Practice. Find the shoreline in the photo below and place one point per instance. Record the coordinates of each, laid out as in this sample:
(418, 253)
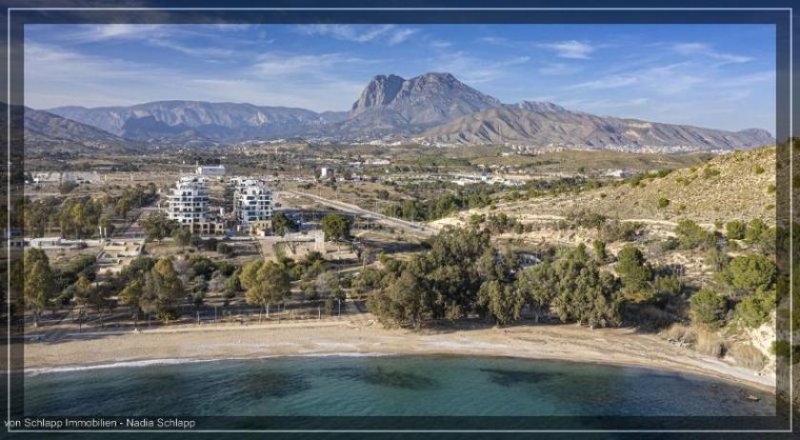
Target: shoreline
(209, 343)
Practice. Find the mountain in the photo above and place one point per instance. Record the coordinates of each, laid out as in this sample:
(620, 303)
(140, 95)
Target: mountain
(45, 131)
(218, 122)
(391, 103)
(432, 108)
(548, 125)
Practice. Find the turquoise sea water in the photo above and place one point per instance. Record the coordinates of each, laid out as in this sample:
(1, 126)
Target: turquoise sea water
(386, 386)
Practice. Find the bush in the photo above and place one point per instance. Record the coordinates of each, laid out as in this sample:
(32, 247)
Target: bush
(663, 202)
(750, 273)
(707, 307)
(747, 356)
(756, 309)
(691, 235)
(710, 343)
(735, 230)
(620, 231)
(681, 332)
(759, 169)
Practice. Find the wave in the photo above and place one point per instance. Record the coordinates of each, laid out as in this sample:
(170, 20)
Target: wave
(179, 361)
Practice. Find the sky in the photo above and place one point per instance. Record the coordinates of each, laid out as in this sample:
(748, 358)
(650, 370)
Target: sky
(717, 76)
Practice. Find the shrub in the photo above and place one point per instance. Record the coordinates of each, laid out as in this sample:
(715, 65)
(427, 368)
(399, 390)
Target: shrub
(707, 307)
(747, 356)
(681, 332)
(750, 273)
(633, 269)
(759, 169)
(710, 343)
(691, 235)
(620, 231)
(663, 202)
(667, 284)
(709, 172)
(756, 309)
(735, 230)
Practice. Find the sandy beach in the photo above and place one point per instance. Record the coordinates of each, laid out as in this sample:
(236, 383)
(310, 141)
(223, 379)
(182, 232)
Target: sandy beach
(621, 346)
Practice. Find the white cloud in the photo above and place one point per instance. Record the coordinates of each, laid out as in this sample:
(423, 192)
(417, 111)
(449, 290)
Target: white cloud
(440, 44)
(393, 34)
(608, 82)
(276, 63)
(401, 35)
(475, 70)
(557, 69)
(570, 49)
(706, 50)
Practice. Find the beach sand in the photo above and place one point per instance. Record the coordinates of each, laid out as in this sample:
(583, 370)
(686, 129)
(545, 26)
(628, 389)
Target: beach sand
(363, 336)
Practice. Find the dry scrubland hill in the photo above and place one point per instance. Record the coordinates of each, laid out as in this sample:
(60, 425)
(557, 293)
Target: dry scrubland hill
(735, 185)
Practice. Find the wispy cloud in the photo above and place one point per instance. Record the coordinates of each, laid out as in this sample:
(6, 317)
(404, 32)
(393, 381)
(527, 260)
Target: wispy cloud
(608, 82)
(475, 70)
(390, 33)
(440, 44)
(558, 69)
(705, 49)
(280, 63)
(570, 49)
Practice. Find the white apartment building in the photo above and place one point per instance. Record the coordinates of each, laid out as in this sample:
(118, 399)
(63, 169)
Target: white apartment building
(188, 202)
(252, 202)
(188, 205)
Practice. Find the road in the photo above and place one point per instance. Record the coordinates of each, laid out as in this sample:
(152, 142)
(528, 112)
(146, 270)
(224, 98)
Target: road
(357, 210)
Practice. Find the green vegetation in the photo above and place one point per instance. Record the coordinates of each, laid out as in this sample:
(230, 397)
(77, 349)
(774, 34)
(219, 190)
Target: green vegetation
(265, 283)
(708, 307)
(635, 273)
(281, 224)
(735, 230)
(463, 273)
(691, 235)
(336, 227)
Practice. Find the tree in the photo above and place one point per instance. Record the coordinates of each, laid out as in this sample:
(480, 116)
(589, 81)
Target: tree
(182, 236)
(162, 290)
(157, 226)
(401, 302)
(634, 272)
(756, 309)
(336, 227)
(583, 292)
(132, 295)
(83, 290)
(122, 207)
(750, 273)
(501, 301)
(539, 286)
(707, 307)
(266, 283)
(281, 224)
(38, 282)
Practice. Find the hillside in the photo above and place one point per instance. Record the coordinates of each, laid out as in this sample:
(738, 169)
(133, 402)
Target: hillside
(730, 186)
(48, 132)
(519, 125)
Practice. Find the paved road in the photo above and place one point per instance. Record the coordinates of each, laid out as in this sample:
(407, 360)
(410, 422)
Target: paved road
(353, 209)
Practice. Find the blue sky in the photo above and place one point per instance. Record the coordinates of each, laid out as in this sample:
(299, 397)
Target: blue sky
(719, 76)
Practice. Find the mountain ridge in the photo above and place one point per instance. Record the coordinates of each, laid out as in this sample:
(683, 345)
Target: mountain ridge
(431, 108)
